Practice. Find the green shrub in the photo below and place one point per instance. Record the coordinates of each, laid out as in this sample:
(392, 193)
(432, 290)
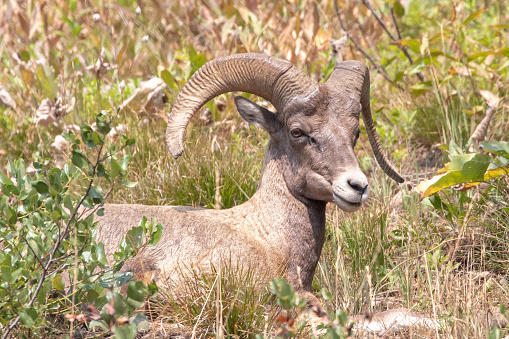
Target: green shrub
(47, 235)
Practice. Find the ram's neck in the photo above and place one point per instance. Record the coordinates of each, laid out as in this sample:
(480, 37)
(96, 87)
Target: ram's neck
(295, 226)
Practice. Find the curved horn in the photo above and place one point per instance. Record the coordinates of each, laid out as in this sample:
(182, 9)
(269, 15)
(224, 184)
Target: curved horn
(353, 77)
(273, 79)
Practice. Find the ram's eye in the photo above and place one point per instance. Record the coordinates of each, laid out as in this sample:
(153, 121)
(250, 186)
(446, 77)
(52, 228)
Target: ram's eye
(296, 133)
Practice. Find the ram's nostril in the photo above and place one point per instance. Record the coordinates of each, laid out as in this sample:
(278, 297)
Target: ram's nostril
(360, 187)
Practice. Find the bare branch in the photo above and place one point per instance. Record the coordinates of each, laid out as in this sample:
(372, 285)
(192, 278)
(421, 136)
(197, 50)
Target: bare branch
(395, 23)
(393, 38)
(378, 18)
(360, 49)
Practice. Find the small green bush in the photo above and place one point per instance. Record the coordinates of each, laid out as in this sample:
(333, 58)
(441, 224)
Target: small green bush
(48, 235)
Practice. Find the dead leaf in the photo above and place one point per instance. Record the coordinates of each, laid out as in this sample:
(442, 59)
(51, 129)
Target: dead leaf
(75, 129)
(110, 309)
(51, 111)
(35, 20)
(287, 41)
(82, 318)
(30, 170)
(45, 113)
(122, 320)
(5, 98)
(100, 68)
(23, 22)
(337, 47)
(149, 98)
(322, 38)
(491, 98)
(116, 131)
(60, 144)
(393, 321)
(461, 70)
(481, 130)
(70, 317)
(311, 23)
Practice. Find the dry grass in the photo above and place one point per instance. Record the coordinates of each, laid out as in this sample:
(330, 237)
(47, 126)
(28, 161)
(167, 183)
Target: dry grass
(451, 265)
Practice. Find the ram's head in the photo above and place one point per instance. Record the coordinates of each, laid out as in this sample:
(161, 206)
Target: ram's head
(315, 127)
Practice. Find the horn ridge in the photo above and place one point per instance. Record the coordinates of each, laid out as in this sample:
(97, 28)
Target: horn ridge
(271, 78)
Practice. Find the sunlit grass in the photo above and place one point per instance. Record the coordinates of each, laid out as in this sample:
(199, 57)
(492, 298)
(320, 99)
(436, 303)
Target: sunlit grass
(392, 253)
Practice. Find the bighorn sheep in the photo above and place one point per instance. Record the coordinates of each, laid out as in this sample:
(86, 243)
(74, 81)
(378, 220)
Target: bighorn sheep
(309, 161)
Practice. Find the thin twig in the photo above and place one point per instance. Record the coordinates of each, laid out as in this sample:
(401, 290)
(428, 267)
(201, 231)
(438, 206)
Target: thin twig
(378, 18)
(99, 205)
(395, 23)
(360, 49)
(35, 255)
(393, 38)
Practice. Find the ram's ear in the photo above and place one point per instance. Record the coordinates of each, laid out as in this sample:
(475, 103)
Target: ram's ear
(257, 115)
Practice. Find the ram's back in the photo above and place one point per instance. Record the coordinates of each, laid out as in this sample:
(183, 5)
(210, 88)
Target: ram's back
(192, 238)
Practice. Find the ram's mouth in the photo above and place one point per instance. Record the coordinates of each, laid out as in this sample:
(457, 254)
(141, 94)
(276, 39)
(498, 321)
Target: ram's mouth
(345, 205)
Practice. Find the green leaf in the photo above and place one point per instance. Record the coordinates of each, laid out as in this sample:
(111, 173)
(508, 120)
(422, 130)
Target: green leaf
(416, 68)
(58, 282)
(137, 290)
(140, 321)
(414, 44)
(286, 296)
(128, 184)
(40, 186)
(5, 180)
(101, 256)
(122, 278)
(101, 323)
(473, 16)
(79, 160)
(326, 294)
(103, 123)
(124, 332)
(134, 238)
(398, 9)
(43, 293)
(168, 79)
(156, 235)
(92, 296)
(68, 202)
(128, 141)
(47, 81)
(119, 304)
(115, 168)
(28, 316)
(101, 171)
(495, 333)
(6, 271)
(87, 136)
(464, 168)
(197, 59)
(124, 162)
(500, 148)
(143, 222)
(421, 88)
(24, 55)
(96, 194)
(11, 216)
